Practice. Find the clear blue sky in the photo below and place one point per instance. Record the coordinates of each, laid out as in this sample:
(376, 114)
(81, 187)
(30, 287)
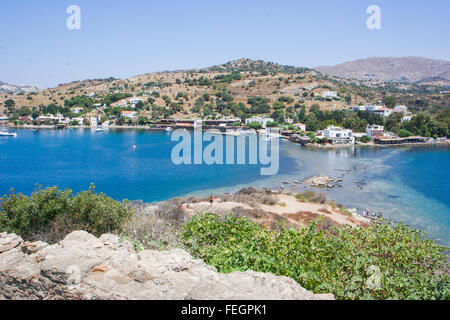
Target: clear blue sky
(126, 38)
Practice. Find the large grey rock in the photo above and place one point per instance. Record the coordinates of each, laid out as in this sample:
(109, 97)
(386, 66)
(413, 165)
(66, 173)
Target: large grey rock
(85, 267)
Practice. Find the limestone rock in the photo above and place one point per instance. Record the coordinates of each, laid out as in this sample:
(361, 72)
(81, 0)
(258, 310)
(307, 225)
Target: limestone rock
(83, 266)
(9, 241)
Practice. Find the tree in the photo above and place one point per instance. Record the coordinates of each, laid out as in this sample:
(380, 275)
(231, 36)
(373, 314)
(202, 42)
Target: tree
(302, 114)
(278, 116)
(390, 101)
(404, 133)
(311, 123)
(10, 103)
(272, 124)
(364, 139)
(391, 123)
(142, 120)
(255, 125)
(348, 98)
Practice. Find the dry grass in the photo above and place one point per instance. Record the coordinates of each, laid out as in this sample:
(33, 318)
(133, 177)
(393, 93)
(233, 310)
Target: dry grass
(156, 227)
(310, 196)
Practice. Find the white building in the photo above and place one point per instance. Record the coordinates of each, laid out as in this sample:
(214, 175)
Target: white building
(50, 117)
(406, 118)
(93, 121)
(374, 130)
(384, 112)
(128, 114)
(359, 108)
(77, 110)
(329, 94)
(263, 121)
(79, 119)
(338, 135)
(300, 126)
(372, 108)
(135, 100)
(401, 109)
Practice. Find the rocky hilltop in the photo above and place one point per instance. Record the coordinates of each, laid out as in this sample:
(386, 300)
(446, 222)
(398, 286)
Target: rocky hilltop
(400, 69)
(83, 266)
(17, 89)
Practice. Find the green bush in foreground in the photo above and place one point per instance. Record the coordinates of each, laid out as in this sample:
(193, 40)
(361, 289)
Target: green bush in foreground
(49, 214)
(378, 262)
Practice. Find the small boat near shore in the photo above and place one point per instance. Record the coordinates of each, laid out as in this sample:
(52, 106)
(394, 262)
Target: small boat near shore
(8, 134)
(169, 129)
(99, 129)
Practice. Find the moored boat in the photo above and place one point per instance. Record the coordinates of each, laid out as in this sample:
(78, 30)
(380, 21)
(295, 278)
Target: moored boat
(8, 134)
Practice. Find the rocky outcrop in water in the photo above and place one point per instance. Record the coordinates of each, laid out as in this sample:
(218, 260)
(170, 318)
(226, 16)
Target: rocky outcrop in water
(83, 266)
(322, 181)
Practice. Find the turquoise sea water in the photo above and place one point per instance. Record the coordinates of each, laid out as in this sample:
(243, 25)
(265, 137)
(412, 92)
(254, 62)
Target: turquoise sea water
(407, 184)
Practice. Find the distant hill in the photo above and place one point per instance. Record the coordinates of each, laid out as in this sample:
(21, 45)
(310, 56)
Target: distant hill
(249, 65)
(403, 69)
(17, 89)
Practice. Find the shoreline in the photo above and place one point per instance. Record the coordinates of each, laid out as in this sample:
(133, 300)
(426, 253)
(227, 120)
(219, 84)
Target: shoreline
(309, 146)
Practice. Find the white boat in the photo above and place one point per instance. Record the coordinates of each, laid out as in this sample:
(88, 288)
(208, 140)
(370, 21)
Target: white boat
(169, 129)
(100, 129)
(8, 134)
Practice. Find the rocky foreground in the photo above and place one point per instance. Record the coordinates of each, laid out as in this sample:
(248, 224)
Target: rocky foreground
(83, 266)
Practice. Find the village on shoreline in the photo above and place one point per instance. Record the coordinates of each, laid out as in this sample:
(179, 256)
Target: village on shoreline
(331, 137)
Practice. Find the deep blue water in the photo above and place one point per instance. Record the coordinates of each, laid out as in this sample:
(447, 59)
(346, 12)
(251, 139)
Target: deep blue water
(77, 158)
(406, 184)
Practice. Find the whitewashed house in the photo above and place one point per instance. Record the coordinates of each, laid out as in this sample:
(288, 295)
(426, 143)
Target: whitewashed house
(400, 109)
(77, 110)
(359, 108)
(129, 114)
(372, 108)
(338, 135)
(135, 101)
(93, 121)
(406, 118)
(330, 94)
(384, 112)
(79, 119)
(374, 130)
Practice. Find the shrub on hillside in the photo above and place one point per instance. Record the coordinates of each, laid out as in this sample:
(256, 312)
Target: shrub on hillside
(49, 214)
(377, 262)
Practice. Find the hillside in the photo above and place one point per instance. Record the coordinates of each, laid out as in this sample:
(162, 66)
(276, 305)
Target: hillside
(403, 69)
(226, 89)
